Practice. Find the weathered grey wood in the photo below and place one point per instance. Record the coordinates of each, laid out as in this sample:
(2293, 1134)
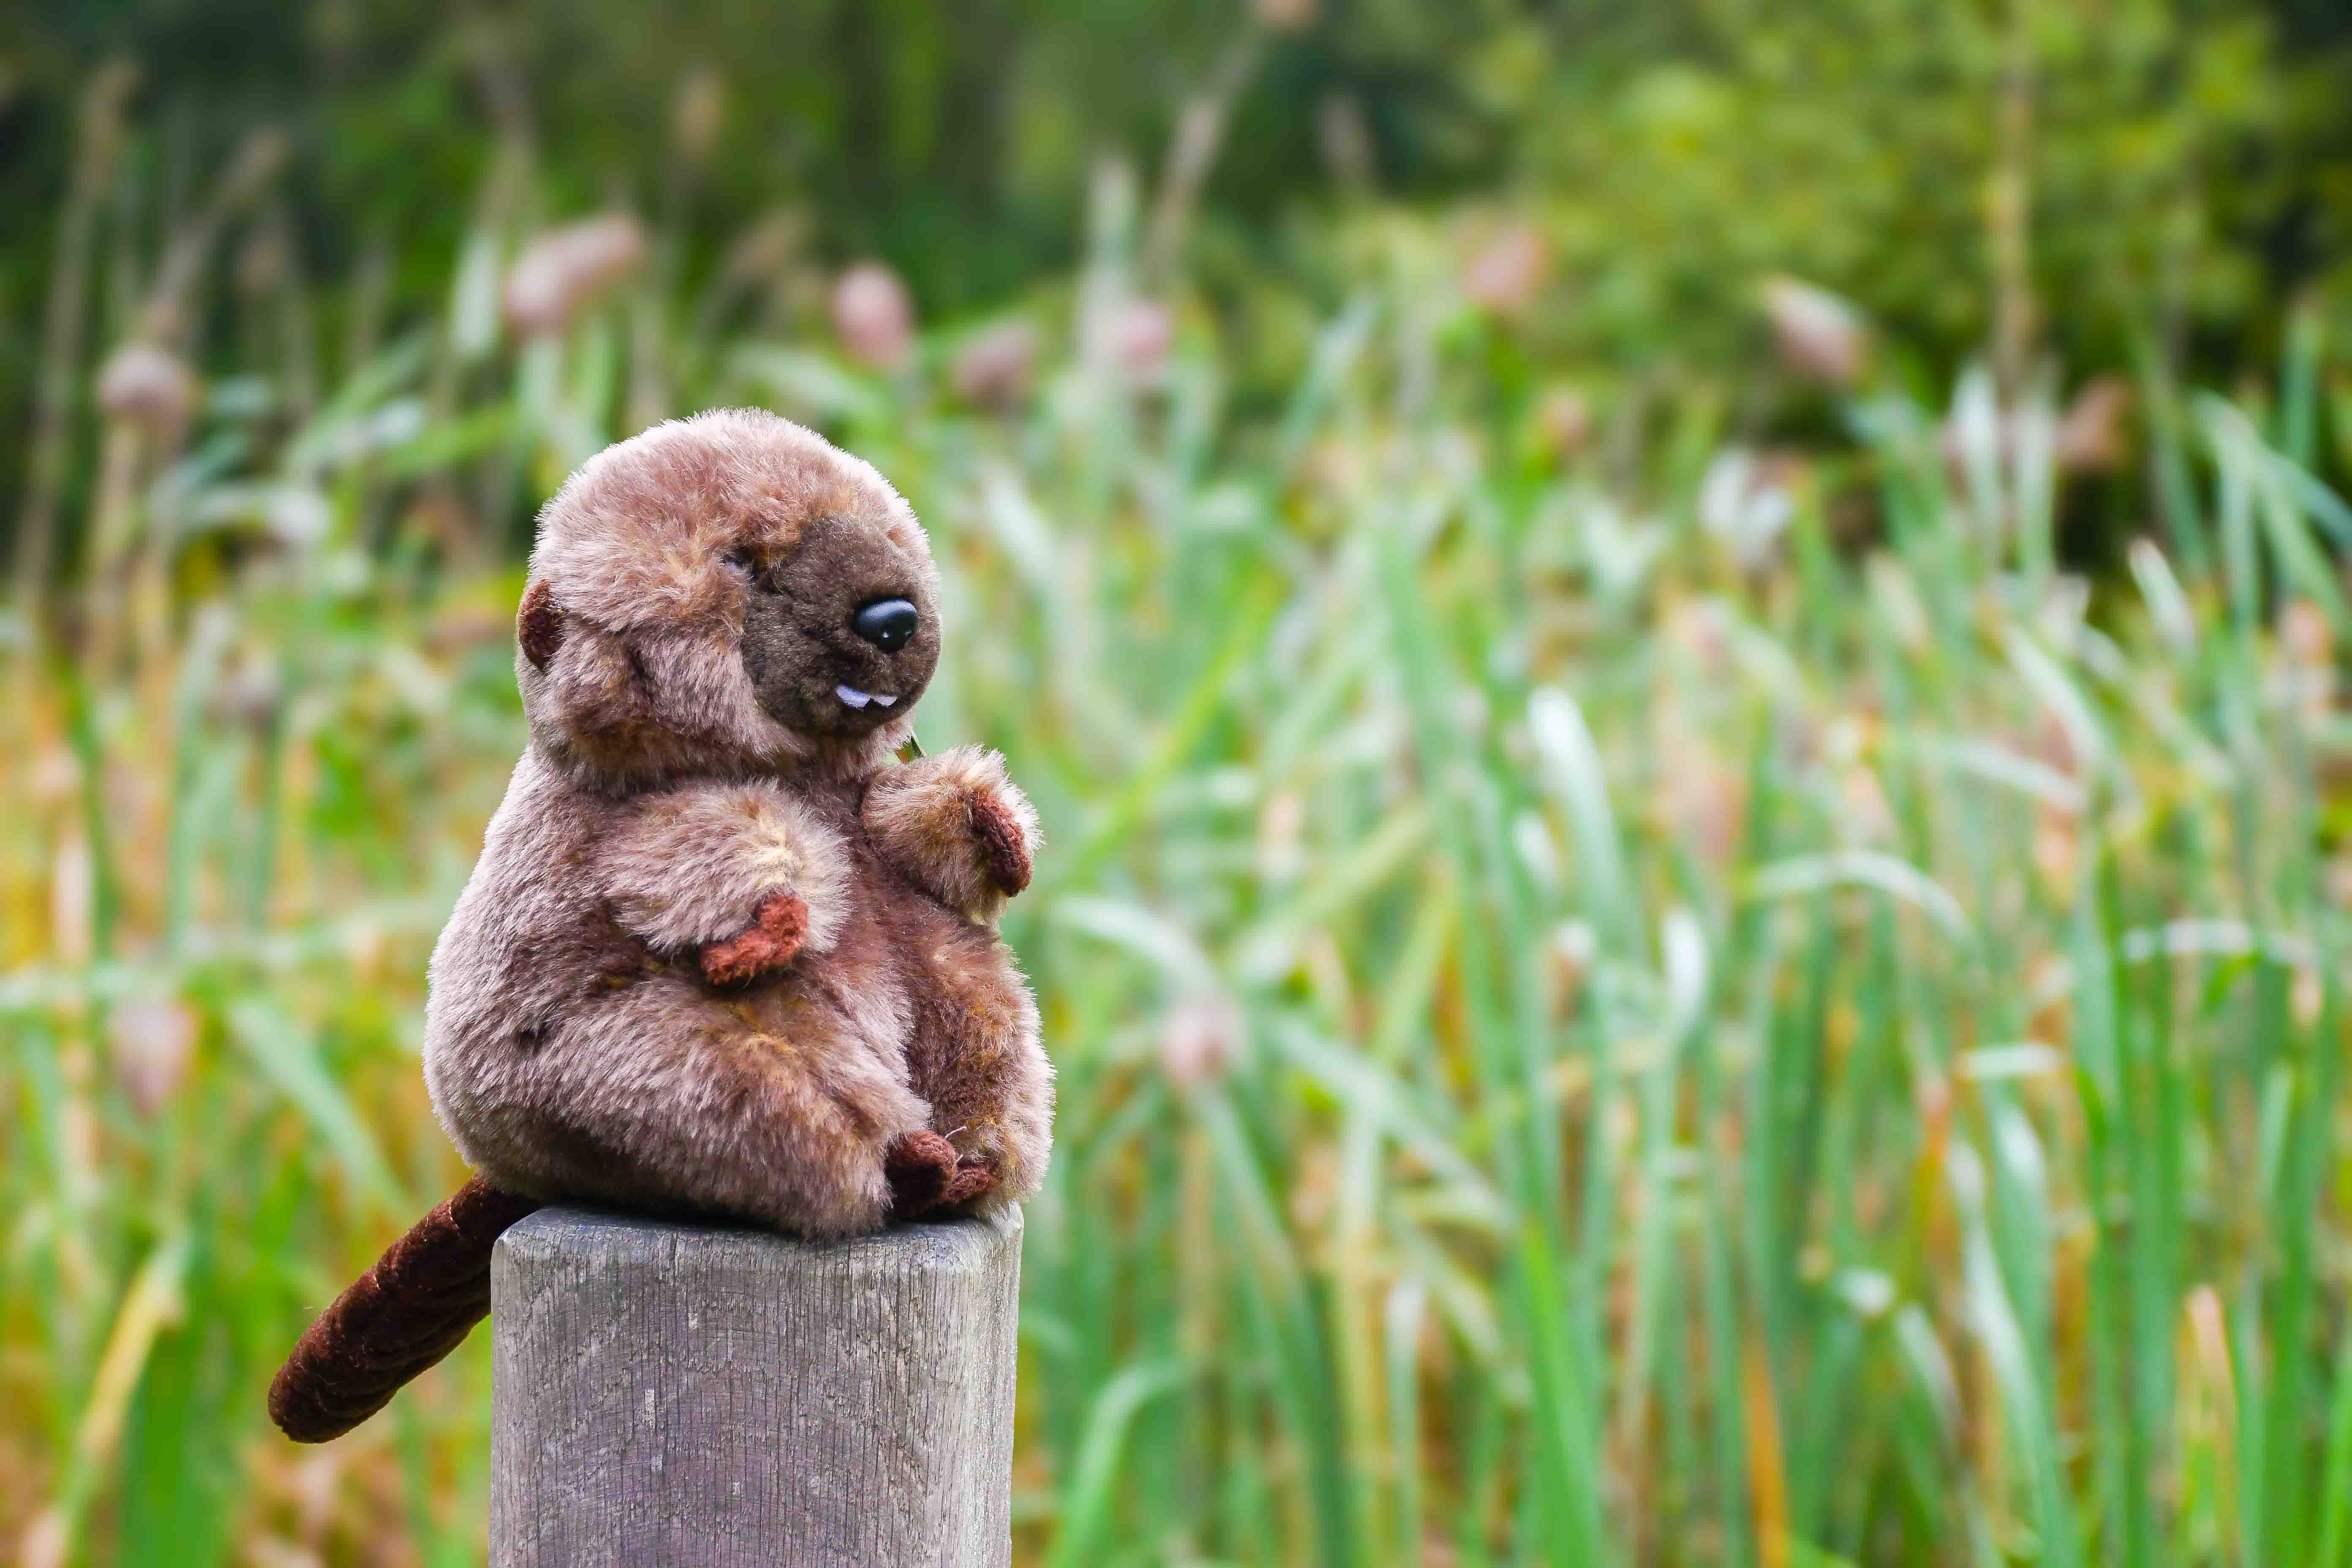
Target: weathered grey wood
(674, 1393)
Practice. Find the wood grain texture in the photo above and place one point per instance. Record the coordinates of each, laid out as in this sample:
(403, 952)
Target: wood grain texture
(677, 1394)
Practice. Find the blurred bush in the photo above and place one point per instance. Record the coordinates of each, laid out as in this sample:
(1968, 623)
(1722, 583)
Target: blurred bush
(2095, 172)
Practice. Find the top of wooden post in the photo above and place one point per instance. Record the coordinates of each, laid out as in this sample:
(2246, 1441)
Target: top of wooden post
(617, 1239)
(683, 1392)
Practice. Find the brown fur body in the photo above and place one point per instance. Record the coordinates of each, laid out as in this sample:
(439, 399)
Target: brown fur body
(720, 954)
(694, 793)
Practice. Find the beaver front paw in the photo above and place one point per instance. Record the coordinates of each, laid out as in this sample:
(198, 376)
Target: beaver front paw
(768, 943)
(1003, 846)
(954, 824)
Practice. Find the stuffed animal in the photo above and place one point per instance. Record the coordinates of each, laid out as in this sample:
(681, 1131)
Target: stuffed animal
(721, 955)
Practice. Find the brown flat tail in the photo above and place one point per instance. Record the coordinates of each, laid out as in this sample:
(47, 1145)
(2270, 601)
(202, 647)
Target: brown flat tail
(422, 1297)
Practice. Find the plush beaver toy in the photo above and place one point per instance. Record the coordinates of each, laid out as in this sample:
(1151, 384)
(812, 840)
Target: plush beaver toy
(721, 954)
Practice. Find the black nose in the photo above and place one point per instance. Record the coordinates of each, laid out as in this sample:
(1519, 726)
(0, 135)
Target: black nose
(888, 624)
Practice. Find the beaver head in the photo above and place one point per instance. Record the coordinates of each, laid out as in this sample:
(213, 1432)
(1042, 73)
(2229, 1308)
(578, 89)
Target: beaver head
(725, 594)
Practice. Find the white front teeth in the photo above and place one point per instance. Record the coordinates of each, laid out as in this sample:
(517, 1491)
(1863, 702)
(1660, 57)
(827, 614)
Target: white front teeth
(856, 699)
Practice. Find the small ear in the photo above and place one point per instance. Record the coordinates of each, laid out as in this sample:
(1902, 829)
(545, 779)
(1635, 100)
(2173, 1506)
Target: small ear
(539, 624)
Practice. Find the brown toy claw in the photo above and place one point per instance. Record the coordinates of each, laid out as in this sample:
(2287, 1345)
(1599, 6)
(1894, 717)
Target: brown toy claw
(770, 942)
(973, 1178)
(921, 1170)
(1001, 843)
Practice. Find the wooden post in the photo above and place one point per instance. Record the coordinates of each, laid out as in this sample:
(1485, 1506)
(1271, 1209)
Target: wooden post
(679, 1393)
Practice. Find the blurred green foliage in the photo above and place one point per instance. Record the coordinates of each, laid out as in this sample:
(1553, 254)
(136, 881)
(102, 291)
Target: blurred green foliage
(2180, 164)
